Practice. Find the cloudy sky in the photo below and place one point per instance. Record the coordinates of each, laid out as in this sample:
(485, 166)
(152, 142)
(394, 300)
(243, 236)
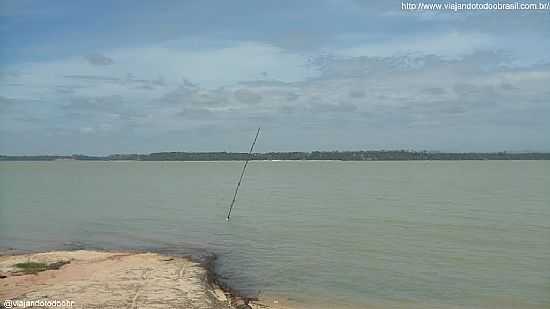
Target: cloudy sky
(101, 77)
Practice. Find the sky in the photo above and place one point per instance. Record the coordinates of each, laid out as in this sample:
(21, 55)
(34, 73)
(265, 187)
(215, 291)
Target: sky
(104, 77)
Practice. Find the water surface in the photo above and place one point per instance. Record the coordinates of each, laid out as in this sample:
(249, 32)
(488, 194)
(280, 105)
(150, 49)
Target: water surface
(460, 234)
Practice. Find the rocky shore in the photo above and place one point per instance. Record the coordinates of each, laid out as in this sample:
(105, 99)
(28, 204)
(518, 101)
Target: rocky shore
(97, 279)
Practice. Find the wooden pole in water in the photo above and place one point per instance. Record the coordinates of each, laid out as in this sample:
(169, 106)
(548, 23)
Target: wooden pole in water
(242, 175)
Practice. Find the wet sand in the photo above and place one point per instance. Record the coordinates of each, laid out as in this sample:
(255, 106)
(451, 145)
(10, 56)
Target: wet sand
(97, 279)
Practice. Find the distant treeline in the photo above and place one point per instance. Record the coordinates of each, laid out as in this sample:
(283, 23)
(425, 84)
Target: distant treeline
(381, 155)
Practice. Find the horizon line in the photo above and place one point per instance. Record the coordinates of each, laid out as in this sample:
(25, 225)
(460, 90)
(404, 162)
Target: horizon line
(282, 152)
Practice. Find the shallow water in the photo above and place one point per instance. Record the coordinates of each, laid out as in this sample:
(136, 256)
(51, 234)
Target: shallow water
(464, 234)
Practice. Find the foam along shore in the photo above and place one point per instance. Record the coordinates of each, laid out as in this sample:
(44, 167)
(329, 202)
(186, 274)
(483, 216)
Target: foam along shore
(96, 279)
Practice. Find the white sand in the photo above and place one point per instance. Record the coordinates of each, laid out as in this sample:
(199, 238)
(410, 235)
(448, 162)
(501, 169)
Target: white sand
(112, 280)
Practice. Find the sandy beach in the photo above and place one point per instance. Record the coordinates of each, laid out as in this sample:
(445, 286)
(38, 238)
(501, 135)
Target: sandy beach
(96, 279)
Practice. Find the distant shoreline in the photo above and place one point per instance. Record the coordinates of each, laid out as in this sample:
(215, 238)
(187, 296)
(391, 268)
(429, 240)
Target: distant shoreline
(378, 155)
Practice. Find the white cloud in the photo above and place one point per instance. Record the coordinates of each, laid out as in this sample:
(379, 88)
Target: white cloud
(450, 44)
(156, 90)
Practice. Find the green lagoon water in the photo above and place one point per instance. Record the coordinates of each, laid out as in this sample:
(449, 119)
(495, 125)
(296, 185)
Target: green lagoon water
(456, 234)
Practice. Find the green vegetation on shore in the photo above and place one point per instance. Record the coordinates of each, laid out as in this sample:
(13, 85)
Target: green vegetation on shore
(378, 155)
(36, 267)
